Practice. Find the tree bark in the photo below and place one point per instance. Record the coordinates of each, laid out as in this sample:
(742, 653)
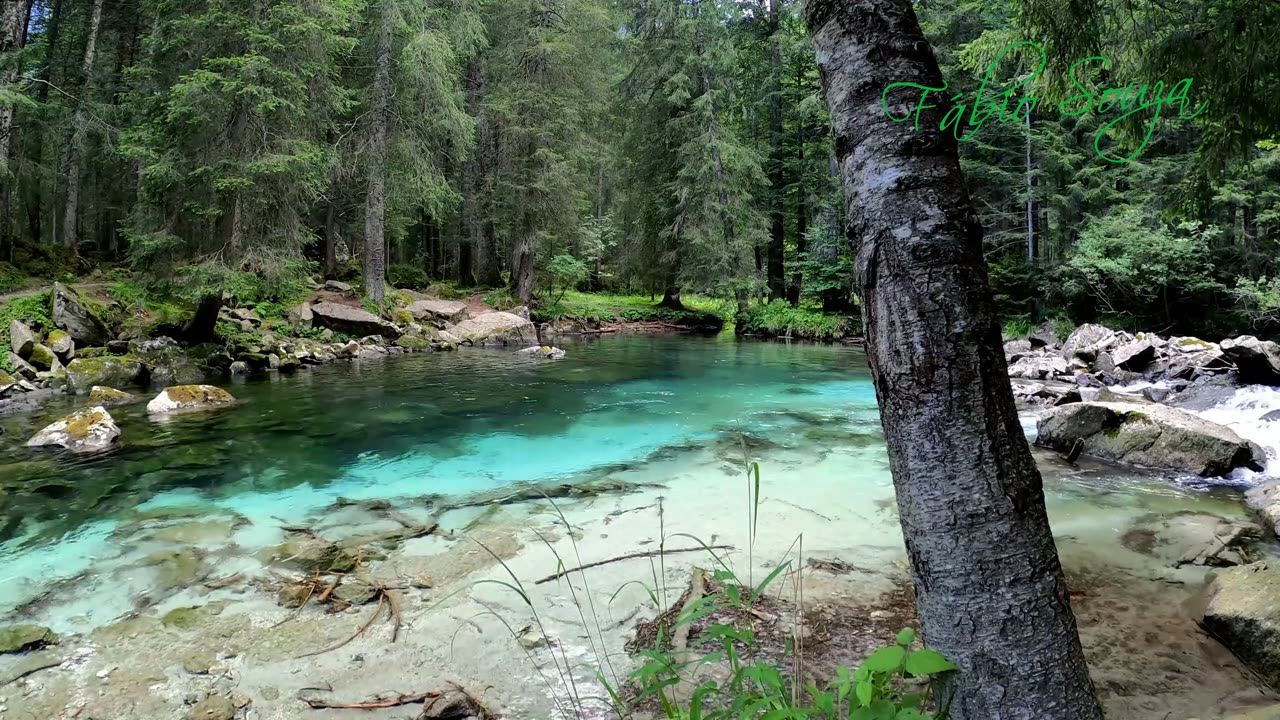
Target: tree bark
(777, 249)
(522, 262)
(331, 235)
(71, 211)
(13, 37)
(200, 328)
(990, 589)
(375, 243)
(1032, 210)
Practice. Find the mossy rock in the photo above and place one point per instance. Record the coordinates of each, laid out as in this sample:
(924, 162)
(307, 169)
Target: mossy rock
(113, 371)
(174, 569)
(21, 638)
(92, 352)
(42, 357)
(183, 398)
(102, 395)
(410, 342)
(315, 554)
(6, 378)
(184, 618)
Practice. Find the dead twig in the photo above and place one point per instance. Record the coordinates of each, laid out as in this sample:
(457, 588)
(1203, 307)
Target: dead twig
(397, 700)
(359, 631)
(630, 556)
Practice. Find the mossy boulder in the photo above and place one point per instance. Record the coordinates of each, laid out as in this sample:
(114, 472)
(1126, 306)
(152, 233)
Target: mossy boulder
(88, 430)
(313, 554)
(412, 342)
(42, 357)
(497, 328)
(80, 317)
(21, 638)
(186, 398)
(85, 372)
(62, 345)
(103, 395)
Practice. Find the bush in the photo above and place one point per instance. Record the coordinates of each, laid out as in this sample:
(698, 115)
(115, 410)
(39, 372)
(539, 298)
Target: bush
(408, 277)
(33, 310)
(804, 322)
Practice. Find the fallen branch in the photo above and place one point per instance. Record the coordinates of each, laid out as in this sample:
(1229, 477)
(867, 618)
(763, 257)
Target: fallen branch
(379, 704)
(631, 556)
(697, 588)
(359, 631)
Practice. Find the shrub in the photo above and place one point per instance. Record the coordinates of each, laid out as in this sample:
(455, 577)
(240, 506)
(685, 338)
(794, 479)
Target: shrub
(806, 322)
(409, 277)
(32, 309)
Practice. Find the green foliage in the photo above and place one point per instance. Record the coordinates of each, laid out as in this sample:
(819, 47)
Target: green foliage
(699, 312)
(501, 299)
(565, 272)
(1018, 329)
(408, 277)
(1260, 299)
(803, 322)
(11, 278)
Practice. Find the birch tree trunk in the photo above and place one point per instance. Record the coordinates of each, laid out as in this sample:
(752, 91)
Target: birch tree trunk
(71, 211)
(375, 243)
(990, 588)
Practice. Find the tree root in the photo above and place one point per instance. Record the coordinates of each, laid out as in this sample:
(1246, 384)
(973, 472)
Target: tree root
(453, 704)
(630, 556)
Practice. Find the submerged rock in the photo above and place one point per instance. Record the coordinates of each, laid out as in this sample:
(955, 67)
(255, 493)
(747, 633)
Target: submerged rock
(1242, 610)
(214, 707)
(1194, 538)
(545, 351)
(183, 398)
(450, 311)
(21, 638)
(103, 395)
(78, 317)
(88, 430)
(1150, 435)
(310, 553)
(351, 320)
(166, 362)
(85, 372)
(496, 328)
(1264, 500)
(1257, 360)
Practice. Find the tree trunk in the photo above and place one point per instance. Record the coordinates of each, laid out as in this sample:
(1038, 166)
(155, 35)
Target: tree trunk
(331, 235)
(777, 249)
(522, 263)
(375, 243)
(802, 217)
(13, 36)
(71, 211)
(990, 589)
(200, 328)
(1032, 251)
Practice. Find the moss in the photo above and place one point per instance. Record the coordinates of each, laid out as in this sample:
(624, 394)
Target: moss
(41, 356)
(21, 638)
(183, 618)
(92, 352)
(413, 343)
(401, 317)
(198, 395)
(55, 336)
(103, 394)
(6, 378)
(79, 424)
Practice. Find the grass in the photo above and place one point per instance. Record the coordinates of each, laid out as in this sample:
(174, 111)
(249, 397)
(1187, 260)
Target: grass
(1020, 328)
(700, 312)
(804, 322)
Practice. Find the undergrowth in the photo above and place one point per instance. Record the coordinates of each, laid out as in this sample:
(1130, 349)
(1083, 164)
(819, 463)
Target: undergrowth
(803, 322)
(699, 312)
(33, 310)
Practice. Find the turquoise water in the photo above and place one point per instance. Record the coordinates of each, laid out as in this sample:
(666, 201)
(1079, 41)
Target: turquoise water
(475, 420)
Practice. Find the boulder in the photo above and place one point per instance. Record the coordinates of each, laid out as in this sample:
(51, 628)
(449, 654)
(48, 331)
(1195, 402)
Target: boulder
(1014, 350)
(83, 373)
(186, 398)
(1264, 500)
(337, 286)
(351, 320)
(77, 316)
(239, 367)
(1088, 340)
(166, 362)
(1242, 610)
(1194, 538)
(1133, 356)
(545, 352)
(449, 311)
(1038, 367)
(1150, 435)
(214, 707)
(103, 395)
(1049, 392)
(1190, 365)
(60, 342)
(1044, 336)
(21, 638)
(496, 328)
(301, 315)
(42, 357)
(444, 337)
(21, 338)
(22, 367)
(84, 431)
(1258, 361)
(520, 312)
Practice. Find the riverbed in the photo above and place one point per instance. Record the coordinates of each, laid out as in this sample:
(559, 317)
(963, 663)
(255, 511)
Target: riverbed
(103, 549)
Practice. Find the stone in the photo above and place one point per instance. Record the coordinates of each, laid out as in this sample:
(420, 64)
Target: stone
(1194, 538)
(246, 314)
(355, 592)
(312, 554)
(214, 707)
(103, 395)
(1270, 712)
(497, 328)
(1264, 501)
(531, 637)
(1044, 336)
(78, 317)
(520, 312)
(83, 372)
(186, 398)
(1088, 340)
(273, 361)
(337, 286)
(1258, 361)
(1242, 610)
(1153, 436)
(351, 320)
(197, 662)
(1190, 365)
(1133, 356)
(22, 367)
(22, 638)
(448, 338)
(545, 351)
(450, 311)
(300, 315)
(21, 338)
(41, 357)
(1038, 367)
(239, 368)
(326, 336)
(62, 345)
(166, 362)
(1273, 416)
(1015, 350)
(84, 431)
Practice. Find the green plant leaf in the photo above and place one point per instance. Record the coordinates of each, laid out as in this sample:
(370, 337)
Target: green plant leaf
(864, 693)
(906, 637)
(927, 662)
(886, 659)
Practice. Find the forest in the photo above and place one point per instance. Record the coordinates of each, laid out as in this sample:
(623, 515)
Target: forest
(637, 147)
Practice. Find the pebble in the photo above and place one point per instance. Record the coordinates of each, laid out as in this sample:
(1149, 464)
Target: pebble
(102, 674)
(270, 693)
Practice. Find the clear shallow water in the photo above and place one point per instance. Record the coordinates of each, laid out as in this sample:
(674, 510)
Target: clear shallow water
(476, 420)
